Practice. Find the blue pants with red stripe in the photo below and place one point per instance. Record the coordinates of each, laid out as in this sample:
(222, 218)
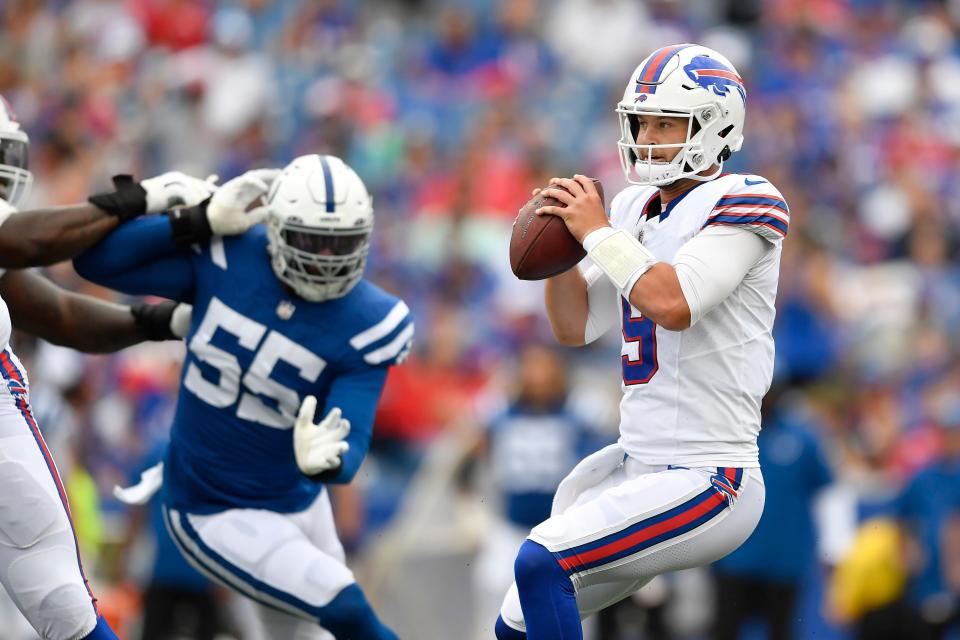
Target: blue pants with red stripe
(632, 524)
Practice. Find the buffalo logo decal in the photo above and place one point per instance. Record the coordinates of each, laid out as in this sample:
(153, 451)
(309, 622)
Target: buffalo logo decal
(714, 76)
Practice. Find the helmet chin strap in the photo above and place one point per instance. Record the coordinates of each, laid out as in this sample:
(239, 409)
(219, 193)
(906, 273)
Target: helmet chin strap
(696, 176)
(708, 178)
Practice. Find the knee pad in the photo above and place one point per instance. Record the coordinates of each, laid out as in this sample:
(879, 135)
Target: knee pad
(503, 631)
(536, 567)
(511, 613)
(67, 612)
(50, 592)
(28, 513)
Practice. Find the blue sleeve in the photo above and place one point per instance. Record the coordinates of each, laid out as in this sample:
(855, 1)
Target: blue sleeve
(140, 258)
(357, 393)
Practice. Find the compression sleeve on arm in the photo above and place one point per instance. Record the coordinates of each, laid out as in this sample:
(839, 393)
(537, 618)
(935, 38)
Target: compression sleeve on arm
(140, 258)
(712, 263)
(357, 394)
(601, 303)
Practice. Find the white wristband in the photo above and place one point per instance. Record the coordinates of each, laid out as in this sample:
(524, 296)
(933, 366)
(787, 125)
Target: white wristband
(596, 236)
(619, 255)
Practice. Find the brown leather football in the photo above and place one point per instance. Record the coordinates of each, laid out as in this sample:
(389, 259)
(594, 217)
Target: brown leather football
(541, 246)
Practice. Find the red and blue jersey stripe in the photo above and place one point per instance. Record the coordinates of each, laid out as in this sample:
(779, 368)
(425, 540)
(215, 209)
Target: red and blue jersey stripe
(646, 533)
(761, 209)
(650, 74)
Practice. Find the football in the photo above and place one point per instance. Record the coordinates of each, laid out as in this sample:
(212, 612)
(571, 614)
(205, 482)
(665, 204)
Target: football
(541, 246)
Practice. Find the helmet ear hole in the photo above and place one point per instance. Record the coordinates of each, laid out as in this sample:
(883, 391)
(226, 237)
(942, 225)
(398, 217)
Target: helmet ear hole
(725, 153)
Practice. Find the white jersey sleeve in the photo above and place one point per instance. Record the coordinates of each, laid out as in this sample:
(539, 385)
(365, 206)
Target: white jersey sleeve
(755, 204)
(602, 309)
(713, 263)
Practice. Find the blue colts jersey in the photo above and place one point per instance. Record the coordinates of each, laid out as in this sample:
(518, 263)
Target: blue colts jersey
(531, 452)
(254, 351)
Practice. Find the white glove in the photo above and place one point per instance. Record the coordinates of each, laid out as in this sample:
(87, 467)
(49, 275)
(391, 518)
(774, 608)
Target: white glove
(318, 447)
(180, 319)
(232, 211)
(176, 189)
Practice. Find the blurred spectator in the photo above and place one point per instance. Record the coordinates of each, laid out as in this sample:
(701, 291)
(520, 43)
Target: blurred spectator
(867, 586)
(173, 24)
(618, 37)
(530, 446)
(235, 82)
(924, 509)
(435, 389)
(764, 576)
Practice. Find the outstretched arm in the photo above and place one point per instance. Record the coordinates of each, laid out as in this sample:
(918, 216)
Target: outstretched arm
(356, 394)
(140, 258)
(47, 236)
(150, 255)
(82, 322)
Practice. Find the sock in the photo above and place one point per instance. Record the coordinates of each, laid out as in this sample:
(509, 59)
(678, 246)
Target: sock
(101, 632)
(547, 596)
(349, 615)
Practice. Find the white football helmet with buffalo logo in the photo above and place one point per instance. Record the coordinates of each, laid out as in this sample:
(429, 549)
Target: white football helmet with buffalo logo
(682, 80)
(15, 177)
(319, 221)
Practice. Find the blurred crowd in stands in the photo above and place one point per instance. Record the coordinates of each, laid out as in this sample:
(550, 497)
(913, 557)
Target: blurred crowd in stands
(452, 112)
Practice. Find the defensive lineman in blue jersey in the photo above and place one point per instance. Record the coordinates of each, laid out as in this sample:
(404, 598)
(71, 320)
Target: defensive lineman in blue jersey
(282, 321)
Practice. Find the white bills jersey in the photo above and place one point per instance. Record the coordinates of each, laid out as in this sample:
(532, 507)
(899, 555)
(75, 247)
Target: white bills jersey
(692, 397)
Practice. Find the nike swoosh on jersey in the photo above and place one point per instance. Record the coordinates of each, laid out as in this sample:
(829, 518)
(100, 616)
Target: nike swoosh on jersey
(750, 182)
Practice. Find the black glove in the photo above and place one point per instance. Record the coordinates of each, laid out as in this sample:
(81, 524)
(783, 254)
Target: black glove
(128, 201)
(190, 225)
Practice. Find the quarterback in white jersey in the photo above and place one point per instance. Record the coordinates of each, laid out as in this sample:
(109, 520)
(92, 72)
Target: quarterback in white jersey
(687, 265)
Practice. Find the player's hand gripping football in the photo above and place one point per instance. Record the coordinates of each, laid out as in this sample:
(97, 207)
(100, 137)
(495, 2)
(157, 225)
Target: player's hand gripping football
(238, 204)
(583, 212)
(176, 189)
(318, 447)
